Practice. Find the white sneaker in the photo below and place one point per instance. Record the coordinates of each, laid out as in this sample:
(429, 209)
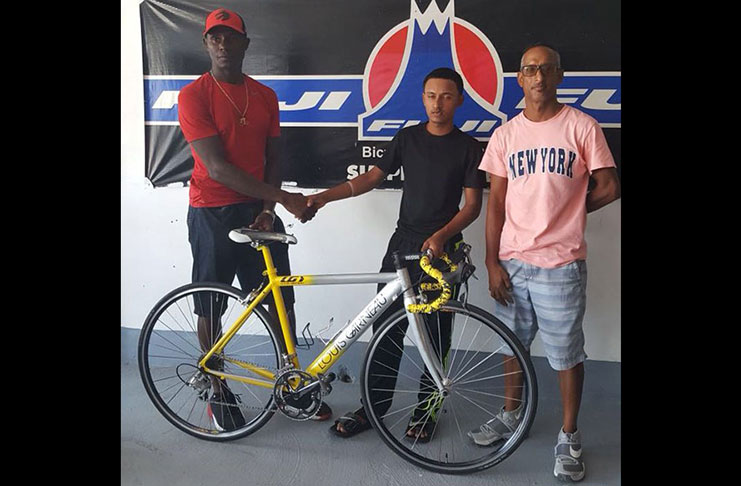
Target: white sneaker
(569, 464)
(500, 427)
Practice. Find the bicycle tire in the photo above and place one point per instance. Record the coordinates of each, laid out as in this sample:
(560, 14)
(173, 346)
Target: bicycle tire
(450, 450)
(169, 350)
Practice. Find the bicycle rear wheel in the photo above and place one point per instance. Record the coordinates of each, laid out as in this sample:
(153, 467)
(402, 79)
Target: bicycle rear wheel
(482, 379)
(176, 335)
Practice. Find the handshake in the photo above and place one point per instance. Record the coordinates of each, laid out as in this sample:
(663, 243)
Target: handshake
(303, 207)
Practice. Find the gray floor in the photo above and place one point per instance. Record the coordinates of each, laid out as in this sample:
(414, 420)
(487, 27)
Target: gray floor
(285, 452)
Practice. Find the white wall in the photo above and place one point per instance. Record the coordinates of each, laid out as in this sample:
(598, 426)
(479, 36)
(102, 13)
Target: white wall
(345, 237)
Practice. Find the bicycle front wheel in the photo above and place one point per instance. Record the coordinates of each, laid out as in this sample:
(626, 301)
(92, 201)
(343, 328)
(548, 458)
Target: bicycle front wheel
(176, 335)
(485, 368)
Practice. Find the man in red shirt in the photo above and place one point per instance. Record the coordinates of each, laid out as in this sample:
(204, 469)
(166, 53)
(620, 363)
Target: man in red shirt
(233, 127)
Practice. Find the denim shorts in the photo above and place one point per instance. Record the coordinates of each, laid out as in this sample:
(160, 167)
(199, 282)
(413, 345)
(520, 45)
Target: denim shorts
(552, 300)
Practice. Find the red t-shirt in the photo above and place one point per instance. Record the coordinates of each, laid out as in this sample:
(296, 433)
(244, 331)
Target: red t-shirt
(204, 111)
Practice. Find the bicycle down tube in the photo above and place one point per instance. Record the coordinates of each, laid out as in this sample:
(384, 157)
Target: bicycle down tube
(396, 284)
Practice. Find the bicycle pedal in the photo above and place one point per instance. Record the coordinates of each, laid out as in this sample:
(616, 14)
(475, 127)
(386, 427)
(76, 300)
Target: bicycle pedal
(345, 376)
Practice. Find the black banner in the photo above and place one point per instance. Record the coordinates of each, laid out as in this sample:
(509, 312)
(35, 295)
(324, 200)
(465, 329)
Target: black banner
(348, 75)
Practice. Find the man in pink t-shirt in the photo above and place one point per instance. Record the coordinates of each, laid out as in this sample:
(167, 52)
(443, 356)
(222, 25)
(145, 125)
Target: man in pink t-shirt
(550, 165)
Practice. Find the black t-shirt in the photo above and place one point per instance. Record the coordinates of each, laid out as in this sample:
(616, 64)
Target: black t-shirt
(436, 169)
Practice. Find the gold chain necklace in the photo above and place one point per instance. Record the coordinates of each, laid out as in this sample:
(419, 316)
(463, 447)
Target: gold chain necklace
(242, 120)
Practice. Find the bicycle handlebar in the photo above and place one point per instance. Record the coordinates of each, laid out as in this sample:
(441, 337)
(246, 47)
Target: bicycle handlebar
(460, 269)
(442, 284)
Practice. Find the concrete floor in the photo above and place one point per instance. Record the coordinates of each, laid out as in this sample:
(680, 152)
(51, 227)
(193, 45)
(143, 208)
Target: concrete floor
(285, 452)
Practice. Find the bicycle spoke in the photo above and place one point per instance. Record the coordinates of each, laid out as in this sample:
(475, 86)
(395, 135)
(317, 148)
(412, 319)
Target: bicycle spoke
(489, 378)
(171, 377)
(426, 418)
(161, 356)
(249, 389)
(195, 402)
(191, 312)
(397, 390)
(182, 386)
(228, 317)
(460, 337)
(478, 387)
(460, 377)
(402, 350)
(460, 432)
(396, 371)
(178, 347)
(439, 350)
(478, 373)
(468, 351)
(473, 402)
(489, 394)
(242, 350)
(397, 356)
(170, 386)
(185, 317)
(414, 405)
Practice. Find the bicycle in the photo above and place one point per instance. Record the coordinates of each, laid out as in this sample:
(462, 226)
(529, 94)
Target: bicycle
(185, 355)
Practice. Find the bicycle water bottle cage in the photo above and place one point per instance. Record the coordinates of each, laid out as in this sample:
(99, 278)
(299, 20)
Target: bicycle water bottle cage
(308, 338)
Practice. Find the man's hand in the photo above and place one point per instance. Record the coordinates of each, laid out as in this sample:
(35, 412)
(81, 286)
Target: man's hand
(309, 213)
(435, 244)
(296, 204)
(500, 287)
(263, 222)
(316, 201)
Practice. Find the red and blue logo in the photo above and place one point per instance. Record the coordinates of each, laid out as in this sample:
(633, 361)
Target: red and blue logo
(388, 95)
(392, 82)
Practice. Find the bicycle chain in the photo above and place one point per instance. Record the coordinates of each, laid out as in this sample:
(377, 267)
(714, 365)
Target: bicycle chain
(276, 371)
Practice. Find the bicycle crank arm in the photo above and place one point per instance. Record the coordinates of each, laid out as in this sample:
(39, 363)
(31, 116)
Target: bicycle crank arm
(323, 381)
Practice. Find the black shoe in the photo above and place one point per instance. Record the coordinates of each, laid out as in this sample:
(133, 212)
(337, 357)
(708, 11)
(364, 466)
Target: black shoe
(223, 409)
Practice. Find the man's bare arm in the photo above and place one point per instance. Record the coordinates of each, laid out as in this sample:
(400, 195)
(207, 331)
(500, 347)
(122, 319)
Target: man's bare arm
(211, 152)
(499, 284)
(606, 188)
(359, 185)
(467, 215)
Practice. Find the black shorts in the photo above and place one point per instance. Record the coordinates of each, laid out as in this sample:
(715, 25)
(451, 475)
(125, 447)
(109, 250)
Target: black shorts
(216, 258)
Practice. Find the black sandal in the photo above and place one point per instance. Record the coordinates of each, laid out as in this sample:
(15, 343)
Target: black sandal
(421, 430)
(353, 423)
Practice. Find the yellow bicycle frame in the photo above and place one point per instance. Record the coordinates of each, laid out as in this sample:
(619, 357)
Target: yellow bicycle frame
(327, 357)
(274, 284)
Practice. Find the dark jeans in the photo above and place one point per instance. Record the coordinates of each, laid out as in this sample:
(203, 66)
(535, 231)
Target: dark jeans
(216, 258)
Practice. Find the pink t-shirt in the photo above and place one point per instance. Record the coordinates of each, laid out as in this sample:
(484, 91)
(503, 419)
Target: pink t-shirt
(547, 166)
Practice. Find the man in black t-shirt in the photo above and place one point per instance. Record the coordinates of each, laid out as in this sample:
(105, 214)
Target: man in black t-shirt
(439, 163)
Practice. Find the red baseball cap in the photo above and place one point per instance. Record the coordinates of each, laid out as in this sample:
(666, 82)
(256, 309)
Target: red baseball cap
(224, 17)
